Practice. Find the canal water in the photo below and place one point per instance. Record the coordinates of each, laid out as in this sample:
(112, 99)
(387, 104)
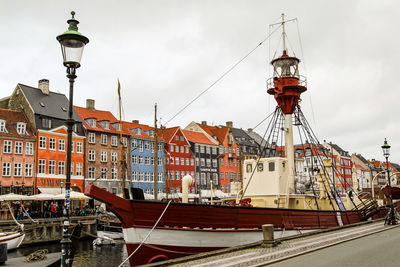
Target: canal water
(86, 255)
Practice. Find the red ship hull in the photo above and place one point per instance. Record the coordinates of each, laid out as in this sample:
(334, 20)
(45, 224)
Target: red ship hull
(187, 229)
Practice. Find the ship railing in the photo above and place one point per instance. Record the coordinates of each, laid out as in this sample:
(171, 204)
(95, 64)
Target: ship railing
(302, 81)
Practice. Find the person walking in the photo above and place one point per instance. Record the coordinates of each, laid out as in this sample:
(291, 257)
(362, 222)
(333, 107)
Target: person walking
(54, 211)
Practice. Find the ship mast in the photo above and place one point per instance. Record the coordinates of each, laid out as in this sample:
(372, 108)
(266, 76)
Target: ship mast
(155, 153)
(286, 87)
(123, 160)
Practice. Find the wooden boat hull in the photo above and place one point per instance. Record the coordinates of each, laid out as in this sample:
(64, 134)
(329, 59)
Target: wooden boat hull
(13, 240)
(185, 229)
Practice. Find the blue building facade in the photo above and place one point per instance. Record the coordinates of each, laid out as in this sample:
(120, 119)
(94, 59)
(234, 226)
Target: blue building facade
(142, 164)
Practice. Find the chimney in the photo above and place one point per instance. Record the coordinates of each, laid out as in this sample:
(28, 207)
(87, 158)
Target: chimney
(90, 104)
(250, 130)
(135, 121)
(229, 124)
(204, 123)
(44, 86)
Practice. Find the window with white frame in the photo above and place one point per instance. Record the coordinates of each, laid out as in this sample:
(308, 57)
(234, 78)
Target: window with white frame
(141, 160)
(91, 172)
(92, 155)
(197, 161)
(103, 173)
(176, 137)
(72, 146)
(42, 166)
(52, 143)
(222, 162)
(114, 140)
(92, 138)
(147, 160)
(72, 169)
(91, 122)
(152, 160)
(178, 175)
(114, 173)
(187, 149)
(159, 177)
(61, 145)
(187, 162)
(28, 169)
(79, 169)
(182, 149)
(191, 162)
(134, 176)
(159, 162)
(104, 139)
(52, 167)
(103, 156)
(171, 147)
(214, 150)
(141, 176)
(160, 146)
(134, 159)
(79, 147)
(7, 146)
(172, 175)
(134, 143)
(147, 177)
(61, 167)
(181, 138)
(29, 148)
(202, 162)
(214, 163)
(125, 141)
(18, 147)
(21, 128)
(140, 146)
(17, 169)
(182, 174)
(176, 161)
(3, 128)
(182, 161)
(6, 169)
(202, 149)
(152, 177)
(114, 157)
(146, 145)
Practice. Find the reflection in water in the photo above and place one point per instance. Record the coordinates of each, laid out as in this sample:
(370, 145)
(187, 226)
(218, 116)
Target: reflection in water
(86, 255)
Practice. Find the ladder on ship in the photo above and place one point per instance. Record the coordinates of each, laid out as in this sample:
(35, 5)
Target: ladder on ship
(367, 208)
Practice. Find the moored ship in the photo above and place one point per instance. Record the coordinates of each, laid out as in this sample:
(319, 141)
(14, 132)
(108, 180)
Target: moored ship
(155, 230)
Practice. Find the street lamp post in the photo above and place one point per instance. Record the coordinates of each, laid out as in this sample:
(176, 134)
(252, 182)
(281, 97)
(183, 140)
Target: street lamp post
(390, 218)
(72, 43)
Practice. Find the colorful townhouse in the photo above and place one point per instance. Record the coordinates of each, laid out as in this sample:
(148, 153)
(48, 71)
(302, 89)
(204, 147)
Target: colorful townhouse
(206, 151)
(17, 153)
(362, 172)
(47, 111)
(179, 159)
(142, 157)
(229, 164)
(344, 165)
(103, 148)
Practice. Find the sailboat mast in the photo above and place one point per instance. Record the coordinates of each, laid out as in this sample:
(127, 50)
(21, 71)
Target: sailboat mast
(155, 153)
(123, 162)
(283, 32)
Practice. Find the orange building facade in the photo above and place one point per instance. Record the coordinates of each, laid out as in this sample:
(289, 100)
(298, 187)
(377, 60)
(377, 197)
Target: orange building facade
(52, 159)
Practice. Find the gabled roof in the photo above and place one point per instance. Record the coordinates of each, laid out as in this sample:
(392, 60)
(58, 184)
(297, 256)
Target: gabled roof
(213, 131)
(128, 126)
(54, 105)
(395, 165)
(99, 115)
(197, 137)
(242, 138)
(340, 150)
(360, 157)
(168, 133)
(12, 117)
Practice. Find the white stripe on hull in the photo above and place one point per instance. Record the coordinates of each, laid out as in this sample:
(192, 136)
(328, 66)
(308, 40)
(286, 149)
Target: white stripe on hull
(13, 240)
(199, 238)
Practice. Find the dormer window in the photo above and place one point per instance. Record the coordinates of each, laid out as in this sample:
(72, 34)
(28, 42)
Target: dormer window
(151, 133)
(116, 126)
(91, 122)
(21, 128)
(137, 131)
(3, 128)
(105, 124)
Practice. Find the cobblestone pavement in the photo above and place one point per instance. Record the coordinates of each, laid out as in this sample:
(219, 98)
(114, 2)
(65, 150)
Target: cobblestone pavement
(263, 255)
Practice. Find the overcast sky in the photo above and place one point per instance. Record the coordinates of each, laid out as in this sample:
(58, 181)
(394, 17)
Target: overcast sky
(167, 52)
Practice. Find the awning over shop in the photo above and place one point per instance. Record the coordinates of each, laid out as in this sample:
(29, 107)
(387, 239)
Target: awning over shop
(52, 190)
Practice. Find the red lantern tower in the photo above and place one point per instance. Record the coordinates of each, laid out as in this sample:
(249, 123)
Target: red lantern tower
(286, 86)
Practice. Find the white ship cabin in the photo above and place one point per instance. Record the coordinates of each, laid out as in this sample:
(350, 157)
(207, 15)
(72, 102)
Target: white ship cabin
(268, 177)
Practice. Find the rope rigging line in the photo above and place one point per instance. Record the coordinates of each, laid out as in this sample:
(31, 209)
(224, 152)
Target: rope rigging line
(222, 76)
(272, 113)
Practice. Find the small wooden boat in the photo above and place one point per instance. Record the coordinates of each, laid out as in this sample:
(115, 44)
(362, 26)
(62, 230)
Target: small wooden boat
(13, 239)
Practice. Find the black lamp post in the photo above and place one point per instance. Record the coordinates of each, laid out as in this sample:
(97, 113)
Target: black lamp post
(390, 218)
(72, 43)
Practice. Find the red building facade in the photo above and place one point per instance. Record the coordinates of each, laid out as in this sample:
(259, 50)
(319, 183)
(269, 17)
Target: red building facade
(179, 159)
(17, 153)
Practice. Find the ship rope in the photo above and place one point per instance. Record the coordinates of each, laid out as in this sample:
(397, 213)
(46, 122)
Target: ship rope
(223, 75)
(147, 236)
(29, 216)
(21, 226)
